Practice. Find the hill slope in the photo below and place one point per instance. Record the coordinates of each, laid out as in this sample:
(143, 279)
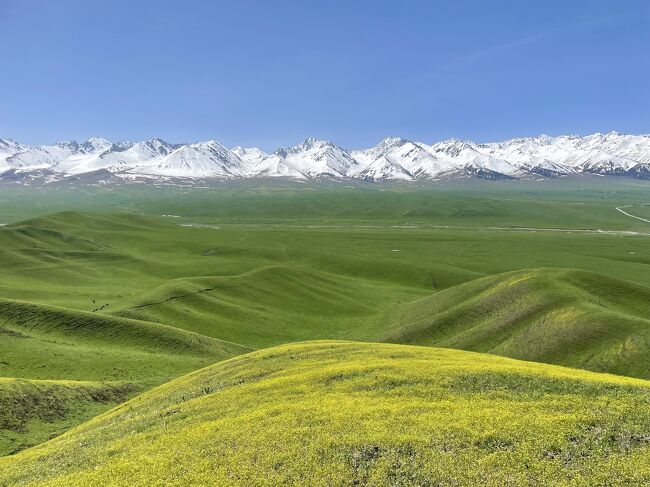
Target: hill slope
(562, 316)
(344, 413)
(566, 317)
(103, 359)
(271, 284)
(269, 305)
(33, 411)
(46, 341)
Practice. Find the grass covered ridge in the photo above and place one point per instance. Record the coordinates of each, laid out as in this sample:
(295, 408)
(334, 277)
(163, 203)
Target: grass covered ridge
(562, 316)
(271, 305)
(32, 411)
(47, 342)
(340, 413)
(63, 366)
(98, 307)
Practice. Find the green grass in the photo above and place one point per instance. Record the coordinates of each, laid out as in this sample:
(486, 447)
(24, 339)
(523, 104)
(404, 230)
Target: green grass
(587, 202)
(270, 305)
(103, 360)
(33, 411)
(345, 413)
(119, 296)
(45, 342)
(558, 316)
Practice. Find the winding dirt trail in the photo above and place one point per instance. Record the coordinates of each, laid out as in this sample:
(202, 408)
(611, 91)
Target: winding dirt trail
(596, 231)
(620, 208)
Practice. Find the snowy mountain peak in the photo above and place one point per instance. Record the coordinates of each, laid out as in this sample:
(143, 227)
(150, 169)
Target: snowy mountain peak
(10, 146)
(207, 159)
(67, 144)
(9, 143)
(310, 142)
(315, 157)
(249, 155)
(96, 144)
(452, 147)
(392, 142)
(157, 147)
(611, 153)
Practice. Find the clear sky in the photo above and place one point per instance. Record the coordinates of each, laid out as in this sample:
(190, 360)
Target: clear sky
(270, 73)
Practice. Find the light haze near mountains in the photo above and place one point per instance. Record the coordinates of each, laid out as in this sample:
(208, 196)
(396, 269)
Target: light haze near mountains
(258, 73)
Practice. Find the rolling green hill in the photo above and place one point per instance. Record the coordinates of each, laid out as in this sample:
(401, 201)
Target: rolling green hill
(33, 411)
(345, 413)
(76, 364)
(43, 342)
(148, 284)
(270, 305)
(560, 316)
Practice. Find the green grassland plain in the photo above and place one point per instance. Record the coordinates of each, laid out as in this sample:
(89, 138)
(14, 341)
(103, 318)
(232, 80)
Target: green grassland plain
(107, 292)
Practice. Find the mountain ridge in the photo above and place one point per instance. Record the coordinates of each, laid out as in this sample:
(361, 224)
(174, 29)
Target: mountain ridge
(392, 159)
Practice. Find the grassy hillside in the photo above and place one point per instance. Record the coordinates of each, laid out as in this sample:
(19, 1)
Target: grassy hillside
(559, 316)
(70, 365)
(110, 259)
(33, 411)
(271, 305)
(344, 413)
(46, 342)
(148, 284)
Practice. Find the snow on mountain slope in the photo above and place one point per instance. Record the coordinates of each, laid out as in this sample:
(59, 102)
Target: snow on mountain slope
(314, 158)
(528, 156)
(392, 159)
(310, 158)
(454, 150)
(250, 156)
(257, 163)
(275, 166)
(68, 157)
(9, 148)
(593, 153)
(82, 157)
(461, 158)
(396, 158)
(125, 155)
(43, 157)
(198, 160)
(382, 167)
(495, 164)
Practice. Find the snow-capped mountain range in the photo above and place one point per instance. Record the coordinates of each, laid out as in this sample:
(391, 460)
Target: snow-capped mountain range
(613, 154)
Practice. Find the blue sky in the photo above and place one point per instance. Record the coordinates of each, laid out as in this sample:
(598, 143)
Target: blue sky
(270, 73)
